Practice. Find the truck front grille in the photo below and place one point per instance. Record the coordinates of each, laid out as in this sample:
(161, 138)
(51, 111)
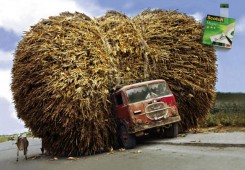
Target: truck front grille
(157, 110)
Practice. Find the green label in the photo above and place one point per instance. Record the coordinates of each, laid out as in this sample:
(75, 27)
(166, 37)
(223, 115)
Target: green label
(224, 5)
(219, 31)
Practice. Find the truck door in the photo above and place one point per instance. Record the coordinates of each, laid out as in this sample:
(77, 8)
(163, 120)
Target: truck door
(121, 108)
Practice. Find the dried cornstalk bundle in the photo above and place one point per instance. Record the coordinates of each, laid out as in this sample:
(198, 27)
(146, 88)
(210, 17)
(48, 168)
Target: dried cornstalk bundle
(65, 66)
(126, 49)
(60, 85)
(174, 40)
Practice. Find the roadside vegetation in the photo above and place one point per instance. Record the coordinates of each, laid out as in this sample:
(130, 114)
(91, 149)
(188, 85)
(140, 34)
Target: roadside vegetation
(4, 138)
(229, 110)
(225, 119)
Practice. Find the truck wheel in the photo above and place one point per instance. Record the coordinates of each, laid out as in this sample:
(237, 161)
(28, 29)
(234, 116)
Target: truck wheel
(172, 132)
(127, 141)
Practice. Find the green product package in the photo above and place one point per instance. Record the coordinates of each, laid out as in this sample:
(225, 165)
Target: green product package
(219, 31)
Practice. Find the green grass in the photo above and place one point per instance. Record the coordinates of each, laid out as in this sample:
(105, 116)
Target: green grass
(224, 119)
(229, 110)
(230, 97)
(229, 103)
(4, 138)
(29, 134)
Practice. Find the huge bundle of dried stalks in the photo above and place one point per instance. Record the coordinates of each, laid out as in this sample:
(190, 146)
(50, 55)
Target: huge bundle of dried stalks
(174, 40)
(126, 49)
(65, 66)
(60, 85)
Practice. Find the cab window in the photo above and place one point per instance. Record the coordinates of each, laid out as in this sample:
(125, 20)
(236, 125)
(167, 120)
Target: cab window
(119, 99)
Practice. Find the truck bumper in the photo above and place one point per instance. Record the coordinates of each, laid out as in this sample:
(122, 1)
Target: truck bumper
(142, 127)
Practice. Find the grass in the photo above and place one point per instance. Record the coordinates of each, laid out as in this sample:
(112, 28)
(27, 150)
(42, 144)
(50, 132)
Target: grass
(224, 119)
(229, 103)
(229, 110)
(4, 138)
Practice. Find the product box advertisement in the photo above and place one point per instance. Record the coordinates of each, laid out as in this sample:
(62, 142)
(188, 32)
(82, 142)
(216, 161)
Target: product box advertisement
(219, 31)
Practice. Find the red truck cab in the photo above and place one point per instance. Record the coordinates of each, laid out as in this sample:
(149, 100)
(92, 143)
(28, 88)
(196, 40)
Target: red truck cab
(143, 108)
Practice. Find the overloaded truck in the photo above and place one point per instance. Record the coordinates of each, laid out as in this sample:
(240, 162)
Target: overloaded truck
(144, 108)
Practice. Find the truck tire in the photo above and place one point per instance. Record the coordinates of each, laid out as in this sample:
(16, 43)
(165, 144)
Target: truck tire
(172, 131)
(126, 140)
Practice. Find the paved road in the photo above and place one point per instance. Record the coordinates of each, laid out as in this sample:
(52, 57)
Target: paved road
(150, 155)
(235, 139)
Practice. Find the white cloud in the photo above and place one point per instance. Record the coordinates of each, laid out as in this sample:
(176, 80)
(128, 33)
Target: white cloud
(17, 125)
(5, 92)
(6, 56)
(19, 15)
(9, 123)
(240, 27)
(198, 16)
(5, 76)
(5, 79)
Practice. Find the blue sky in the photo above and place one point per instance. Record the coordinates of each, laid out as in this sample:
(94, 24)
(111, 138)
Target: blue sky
(16, 16)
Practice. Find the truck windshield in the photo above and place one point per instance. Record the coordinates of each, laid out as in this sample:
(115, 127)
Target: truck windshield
(148, 91)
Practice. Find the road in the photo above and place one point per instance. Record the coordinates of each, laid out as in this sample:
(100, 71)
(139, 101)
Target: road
(146, 156)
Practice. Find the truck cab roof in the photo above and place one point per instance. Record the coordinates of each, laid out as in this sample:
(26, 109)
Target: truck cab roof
(126, 87)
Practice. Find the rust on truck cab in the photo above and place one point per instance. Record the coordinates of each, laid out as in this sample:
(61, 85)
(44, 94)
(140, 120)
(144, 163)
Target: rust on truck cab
(145, 106)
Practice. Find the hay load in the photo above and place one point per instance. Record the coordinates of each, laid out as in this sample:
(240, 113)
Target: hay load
(126, 49)
(65, 67)
(60, 86)
(174, 40)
